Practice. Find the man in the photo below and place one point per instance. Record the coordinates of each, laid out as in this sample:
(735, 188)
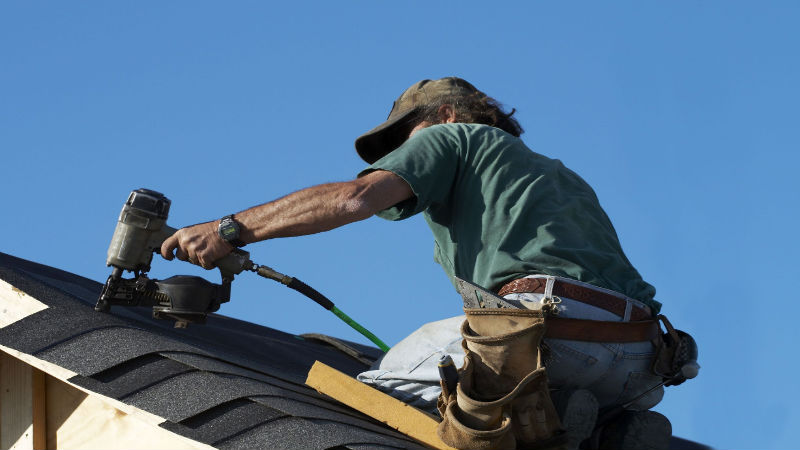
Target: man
(504, 218)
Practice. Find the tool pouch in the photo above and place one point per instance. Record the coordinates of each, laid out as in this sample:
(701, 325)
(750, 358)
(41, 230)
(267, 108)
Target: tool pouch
(502, 399)
(469, 423)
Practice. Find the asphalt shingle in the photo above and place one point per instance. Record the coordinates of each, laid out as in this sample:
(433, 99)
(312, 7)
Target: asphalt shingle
(228, 383)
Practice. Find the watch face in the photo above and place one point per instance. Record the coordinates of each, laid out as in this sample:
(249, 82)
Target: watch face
(229, 233)
(229, 230)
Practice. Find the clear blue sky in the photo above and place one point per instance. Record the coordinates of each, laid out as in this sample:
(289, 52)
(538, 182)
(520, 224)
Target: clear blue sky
(682, 116)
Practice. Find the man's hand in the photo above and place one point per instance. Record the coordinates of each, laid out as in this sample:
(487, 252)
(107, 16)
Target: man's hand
(199, 244)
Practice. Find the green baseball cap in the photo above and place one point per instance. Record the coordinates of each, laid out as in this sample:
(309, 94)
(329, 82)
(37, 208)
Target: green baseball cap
(384, 138)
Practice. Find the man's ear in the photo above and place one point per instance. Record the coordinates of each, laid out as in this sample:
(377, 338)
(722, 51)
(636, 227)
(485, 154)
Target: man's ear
(447, 114)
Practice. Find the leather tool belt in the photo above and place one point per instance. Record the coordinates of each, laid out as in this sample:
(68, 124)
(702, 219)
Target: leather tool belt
(611, 302)
(601, 331)
(641, 327)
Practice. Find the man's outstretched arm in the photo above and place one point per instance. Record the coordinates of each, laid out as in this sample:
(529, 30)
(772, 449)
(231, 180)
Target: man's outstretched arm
(308, 211)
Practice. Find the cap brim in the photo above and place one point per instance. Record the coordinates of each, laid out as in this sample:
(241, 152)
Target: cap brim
(379, 141)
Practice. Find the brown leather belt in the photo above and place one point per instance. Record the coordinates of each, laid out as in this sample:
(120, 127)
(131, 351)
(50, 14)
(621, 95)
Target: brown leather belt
(600, 331)
(600, 299)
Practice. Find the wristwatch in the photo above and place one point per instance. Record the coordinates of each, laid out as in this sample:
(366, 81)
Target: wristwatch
(229, 230)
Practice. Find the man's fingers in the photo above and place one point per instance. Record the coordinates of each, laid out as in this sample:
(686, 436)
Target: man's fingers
(199, 259)
(205, 264)
(181, 254)
(168, 246)
(196, 245)
(205, 258)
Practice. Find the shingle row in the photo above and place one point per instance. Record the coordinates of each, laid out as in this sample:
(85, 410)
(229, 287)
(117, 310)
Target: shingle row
(229, 383)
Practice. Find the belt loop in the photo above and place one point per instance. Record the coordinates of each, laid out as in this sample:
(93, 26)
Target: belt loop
(548, 288)
(628, 309)
(550, 303)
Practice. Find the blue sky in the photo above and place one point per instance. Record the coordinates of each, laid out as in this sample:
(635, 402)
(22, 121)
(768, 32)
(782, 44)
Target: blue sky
(682, 116)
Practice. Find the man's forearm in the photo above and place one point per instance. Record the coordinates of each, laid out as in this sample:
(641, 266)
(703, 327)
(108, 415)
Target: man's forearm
(312, 210)
(322, 208)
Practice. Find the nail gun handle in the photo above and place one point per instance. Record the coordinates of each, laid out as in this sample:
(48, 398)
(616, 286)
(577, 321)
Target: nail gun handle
(234, 263)
(158, 238)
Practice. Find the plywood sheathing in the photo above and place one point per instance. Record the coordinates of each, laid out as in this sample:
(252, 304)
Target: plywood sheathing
(16, 305)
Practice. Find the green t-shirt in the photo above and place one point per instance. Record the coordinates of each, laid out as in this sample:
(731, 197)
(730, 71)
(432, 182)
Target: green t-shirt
(499, 211)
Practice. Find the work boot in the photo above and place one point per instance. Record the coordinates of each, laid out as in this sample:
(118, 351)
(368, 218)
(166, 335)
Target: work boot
(637, 430)
(578, 411)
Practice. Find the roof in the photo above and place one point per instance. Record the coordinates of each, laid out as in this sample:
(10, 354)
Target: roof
(228, 383)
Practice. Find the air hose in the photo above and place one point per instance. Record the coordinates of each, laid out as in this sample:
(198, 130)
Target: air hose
(320, 299)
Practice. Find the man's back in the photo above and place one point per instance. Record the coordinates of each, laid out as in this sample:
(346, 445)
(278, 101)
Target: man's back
(499, 211)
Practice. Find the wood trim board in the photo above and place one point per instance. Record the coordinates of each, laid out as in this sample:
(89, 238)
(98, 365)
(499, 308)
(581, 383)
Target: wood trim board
(357, 395)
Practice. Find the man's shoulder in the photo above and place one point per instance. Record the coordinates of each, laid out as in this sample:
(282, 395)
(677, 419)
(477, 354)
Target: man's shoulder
(474, 136)
(491, 142)
(467, 129)
(485, 144)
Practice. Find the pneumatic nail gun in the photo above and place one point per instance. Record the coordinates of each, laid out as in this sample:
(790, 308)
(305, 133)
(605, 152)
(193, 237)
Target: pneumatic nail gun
(140, 231)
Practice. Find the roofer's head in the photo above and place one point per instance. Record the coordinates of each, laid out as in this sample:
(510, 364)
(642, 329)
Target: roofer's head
(430, 102)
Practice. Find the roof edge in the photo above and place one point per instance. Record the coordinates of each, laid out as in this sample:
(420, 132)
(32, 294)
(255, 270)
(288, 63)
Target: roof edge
(125, 412)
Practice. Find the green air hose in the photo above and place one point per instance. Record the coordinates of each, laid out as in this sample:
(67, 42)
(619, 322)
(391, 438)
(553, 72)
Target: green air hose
(356, 326)
(320, 299)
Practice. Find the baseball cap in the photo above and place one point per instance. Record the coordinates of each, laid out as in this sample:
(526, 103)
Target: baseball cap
(384, 138)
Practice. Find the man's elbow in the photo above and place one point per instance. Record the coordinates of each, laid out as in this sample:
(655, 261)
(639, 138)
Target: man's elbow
(358, 204)
(375, 192)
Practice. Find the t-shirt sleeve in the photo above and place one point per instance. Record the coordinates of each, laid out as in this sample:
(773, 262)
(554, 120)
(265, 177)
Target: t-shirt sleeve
(428, 162)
